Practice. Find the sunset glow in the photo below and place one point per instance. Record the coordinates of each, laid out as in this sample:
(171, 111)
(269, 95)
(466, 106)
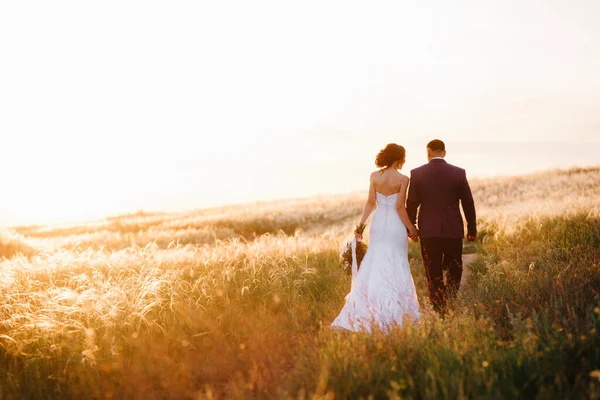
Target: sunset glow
(120, 106)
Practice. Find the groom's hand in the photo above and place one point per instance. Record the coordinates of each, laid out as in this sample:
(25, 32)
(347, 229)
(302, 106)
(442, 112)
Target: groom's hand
(414, 235)
(471, 238)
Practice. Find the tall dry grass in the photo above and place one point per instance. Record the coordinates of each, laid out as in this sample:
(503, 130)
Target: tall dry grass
(119, 311)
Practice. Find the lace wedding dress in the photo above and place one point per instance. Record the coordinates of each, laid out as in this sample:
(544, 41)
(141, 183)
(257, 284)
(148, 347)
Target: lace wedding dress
(383, 291)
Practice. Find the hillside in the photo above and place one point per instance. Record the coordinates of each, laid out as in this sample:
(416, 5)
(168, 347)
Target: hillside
(234, 302)
(506, 200)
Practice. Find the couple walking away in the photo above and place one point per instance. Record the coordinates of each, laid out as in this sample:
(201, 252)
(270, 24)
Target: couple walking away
(383, 291)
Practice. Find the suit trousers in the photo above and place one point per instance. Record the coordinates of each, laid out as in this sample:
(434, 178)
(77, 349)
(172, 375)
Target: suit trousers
(439, 255)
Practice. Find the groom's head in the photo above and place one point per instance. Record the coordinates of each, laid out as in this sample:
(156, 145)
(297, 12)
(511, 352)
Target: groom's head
(436, 148)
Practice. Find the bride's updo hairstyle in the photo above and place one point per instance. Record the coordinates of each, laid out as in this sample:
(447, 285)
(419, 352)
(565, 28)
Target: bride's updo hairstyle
(387, 157)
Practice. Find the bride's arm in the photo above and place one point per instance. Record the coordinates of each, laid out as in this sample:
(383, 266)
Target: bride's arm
(368, 209)
(401, 208)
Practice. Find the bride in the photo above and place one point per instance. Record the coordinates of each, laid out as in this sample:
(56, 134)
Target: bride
(383, 291)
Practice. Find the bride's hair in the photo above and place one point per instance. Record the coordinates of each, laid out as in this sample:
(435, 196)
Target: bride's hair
(393, 152)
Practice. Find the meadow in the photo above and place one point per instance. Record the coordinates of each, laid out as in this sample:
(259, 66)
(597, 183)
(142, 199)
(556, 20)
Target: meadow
(235, 302)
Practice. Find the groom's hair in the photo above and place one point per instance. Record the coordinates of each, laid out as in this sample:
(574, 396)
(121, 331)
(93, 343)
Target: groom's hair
(436, 145)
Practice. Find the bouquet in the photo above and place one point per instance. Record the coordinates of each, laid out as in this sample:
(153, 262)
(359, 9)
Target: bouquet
(346, 255)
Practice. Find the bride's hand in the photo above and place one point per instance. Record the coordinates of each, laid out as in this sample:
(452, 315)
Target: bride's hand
(360, 228)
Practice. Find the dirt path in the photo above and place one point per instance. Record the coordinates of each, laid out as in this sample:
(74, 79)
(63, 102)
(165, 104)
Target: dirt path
(467, 259)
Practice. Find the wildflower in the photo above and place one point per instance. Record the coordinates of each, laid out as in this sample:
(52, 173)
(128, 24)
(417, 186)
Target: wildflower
(595, 374)
(485, 364)
(597, 310)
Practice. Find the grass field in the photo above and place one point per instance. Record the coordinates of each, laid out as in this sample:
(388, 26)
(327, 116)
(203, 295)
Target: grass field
(235, 302)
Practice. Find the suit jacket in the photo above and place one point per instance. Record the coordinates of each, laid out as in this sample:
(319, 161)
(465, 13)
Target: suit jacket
(435, 190)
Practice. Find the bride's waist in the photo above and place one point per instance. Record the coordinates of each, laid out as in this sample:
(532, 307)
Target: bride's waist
(386, 210)
(388, 214)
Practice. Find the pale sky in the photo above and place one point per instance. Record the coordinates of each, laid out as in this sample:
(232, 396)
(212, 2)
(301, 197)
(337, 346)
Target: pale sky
(116, 106)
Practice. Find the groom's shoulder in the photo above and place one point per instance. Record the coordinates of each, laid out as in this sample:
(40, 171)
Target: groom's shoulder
(418, 169)
(457, 169)
(435, 166)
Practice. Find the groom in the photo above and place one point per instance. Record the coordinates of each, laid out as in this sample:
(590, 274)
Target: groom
(436, 189)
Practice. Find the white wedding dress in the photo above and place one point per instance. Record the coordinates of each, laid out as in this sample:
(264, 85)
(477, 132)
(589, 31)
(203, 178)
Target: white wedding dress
(383, 291)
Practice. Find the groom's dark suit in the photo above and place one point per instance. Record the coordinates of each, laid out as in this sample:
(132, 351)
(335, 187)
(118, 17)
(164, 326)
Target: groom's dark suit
(436, 189)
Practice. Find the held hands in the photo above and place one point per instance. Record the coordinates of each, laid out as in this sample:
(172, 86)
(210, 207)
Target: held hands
(413, 233)
(471, 238)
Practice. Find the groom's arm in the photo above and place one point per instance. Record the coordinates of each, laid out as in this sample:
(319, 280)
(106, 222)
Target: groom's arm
(468, 205)
(413, 201)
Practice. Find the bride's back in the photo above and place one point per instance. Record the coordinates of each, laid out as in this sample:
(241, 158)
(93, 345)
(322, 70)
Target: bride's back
(387, 181)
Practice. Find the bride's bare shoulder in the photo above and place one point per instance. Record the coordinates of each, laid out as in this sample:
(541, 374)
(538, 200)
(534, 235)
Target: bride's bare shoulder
(403, 177)
(375, 174)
